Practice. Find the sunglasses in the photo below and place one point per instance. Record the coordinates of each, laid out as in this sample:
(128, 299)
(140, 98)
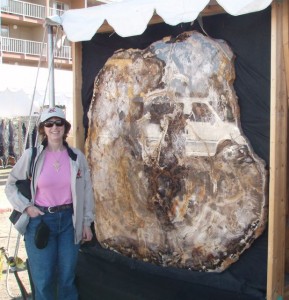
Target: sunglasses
(58, 123)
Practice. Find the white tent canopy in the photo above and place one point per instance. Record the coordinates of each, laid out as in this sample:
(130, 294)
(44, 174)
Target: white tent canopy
(131, 17)
(17, 84)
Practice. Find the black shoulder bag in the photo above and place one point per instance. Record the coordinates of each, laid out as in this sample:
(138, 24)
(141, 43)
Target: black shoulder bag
(23, 186)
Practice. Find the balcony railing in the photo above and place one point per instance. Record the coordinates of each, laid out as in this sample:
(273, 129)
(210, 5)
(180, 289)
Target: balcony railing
(27, 9)
(27, 47)
(54, 11)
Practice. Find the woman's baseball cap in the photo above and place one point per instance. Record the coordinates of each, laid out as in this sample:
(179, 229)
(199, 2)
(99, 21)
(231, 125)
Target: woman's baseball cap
(54, 112)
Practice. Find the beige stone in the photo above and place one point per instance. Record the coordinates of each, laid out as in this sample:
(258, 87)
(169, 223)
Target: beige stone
(175, 180)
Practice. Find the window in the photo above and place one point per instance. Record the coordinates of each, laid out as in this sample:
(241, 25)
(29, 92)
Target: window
(59, 8)
(4, 31)
(201, 113)
(58, 5)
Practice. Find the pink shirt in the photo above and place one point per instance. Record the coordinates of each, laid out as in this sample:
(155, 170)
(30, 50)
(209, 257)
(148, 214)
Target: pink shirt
(53, 187)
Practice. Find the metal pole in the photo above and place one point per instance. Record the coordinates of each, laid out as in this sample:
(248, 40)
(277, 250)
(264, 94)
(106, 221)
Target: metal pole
(50, 56)
(1, 34)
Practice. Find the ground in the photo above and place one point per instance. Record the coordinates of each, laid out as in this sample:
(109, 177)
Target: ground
(9, 289)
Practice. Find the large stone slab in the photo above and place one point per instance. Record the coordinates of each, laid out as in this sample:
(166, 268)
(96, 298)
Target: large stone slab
(175, 180)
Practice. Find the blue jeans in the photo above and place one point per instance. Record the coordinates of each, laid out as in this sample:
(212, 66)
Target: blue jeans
(53, 268)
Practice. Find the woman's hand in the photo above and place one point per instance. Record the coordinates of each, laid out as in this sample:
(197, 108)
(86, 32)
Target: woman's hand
(86, 234)
(33, 211)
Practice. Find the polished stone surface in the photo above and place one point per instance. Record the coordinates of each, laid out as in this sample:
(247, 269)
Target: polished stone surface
(175, 180)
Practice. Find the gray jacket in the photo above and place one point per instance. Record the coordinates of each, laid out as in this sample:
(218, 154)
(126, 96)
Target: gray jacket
(81, 188)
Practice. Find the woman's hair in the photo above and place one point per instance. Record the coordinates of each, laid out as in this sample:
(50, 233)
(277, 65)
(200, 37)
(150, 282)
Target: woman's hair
(43, 136)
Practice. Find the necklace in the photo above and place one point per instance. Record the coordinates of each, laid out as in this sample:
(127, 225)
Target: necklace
(56, 164)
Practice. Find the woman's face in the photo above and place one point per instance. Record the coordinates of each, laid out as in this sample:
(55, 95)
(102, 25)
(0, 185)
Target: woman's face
(54, 129)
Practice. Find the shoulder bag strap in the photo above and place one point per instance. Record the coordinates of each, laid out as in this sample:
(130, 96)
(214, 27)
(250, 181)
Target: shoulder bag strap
(34, 151)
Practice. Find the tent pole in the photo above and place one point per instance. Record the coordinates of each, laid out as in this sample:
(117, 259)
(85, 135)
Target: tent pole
(278, 159)
(50, 56)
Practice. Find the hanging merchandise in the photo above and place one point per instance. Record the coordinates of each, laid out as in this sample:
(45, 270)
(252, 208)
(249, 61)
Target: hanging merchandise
(1, 144)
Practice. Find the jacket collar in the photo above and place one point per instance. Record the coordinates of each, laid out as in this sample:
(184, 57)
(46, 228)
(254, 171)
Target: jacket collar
(70, 152)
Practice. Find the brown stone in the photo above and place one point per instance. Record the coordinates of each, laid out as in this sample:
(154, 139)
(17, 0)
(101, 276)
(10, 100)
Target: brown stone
(175, 180)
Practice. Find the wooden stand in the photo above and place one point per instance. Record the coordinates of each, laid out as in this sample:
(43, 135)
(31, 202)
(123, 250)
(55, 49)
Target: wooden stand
(278, 195)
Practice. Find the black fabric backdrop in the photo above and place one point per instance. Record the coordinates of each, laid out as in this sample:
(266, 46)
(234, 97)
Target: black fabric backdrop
(103, 274)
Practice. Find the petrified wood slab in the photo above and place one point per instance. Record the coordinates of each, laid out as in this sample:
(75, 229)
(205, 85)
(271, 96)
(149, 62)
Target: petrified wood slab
(175, 180)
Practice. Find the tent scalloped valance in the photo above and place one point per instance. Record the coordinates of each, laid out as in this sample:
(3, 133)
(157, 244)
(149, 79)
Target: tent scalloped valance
(131, 17)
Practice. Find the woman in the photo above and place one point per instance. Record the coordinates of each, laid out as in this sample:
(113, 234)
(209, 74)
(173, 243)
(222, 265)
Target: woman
(61, 198)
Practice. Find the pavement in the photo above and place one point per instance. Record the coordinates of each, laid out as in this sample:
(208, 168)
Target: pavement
(11, 246)
(5, 206)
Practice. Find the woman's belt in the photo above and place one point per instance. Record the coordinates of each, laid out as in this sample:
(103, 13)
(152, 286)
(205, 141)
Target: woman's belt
(54, 209)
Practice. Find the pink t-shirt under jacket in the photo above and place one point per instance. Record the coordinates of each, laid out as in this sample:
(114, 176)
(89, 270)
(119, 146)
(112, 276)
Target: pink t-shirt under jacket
(53, 186)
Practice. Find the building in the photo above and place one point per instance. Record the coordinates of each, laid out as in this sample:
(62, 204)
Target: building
(24, 48)
(22, 33)
(24, 58)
